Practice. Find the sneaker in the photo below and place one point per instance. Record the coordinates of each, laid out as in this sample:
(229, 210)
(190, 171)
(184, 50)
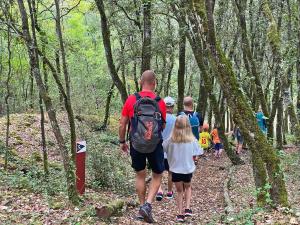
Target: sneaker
(170, 195)
(180, 218)
(139, 217)
(159, 196)
(188, 212)
(146, 212)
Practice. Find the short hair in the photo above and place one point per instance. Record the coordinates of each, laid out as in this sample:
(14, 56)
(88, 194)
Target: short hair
(188, 101)
(148, 77)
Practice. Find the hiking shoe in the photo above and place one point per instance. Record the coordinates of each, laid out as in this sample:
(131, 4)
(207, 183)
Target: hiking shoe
(180, 218)
(170, 195)
(146, 212)
(159, 196)
(188, 212)
(139, 217)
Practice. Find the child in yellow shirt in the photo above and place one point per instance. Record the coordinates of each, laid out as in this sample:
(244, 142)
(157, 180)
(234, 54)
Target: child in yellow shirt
(204, 139)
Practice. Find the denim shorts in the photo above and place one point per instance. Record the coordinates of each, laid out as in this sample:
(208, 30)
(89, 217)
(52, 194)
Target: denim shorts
(155, 159)
(218, 146)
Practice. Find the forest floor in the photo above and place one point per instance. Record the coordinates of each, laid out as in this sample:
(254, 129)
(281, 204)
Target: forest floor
(27, 199)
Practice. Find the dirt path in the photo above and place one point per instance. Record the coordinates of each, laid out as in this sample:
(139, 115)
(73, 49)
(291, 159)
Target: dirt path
(207, 196)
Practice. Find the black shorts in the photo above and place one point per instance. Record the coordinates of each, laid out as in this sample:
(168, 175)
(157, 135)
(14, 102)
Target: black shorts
(218, 146)
(155, 159)
(178, 177)
(166, 165)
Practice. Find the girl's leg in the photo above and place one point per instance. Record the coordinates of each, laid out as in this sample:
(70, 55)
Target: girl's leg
(170, 183)
(188, 194)
(179, 197)
(220, 152)
(240, 147)
(160, 189)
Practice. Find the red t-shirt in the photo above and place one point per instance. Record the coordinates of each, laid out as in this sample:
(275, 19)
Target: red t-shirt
(128, 108)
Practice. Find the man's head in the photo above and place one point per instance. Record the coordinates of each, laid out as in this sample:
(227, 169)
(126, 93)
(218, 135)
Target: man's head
(188, 103)
(170, 102)
(148, 80)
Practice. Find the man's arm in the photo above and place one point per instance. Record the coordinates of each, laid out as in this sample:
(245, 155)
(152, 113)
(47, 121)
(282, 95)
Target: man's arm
(122, 132)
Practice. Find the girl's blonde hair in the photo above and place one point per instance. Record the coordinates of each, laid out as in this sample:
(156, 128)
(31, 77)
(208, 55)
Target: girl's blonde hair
(182, 131)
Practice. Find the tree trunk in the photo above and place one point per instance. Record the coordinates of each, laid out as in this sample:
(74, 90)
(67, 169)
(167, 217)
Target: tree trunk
(195, 42)
(43, 138)
(181, 68)
(146, 48)
(68, 103)
(170, 69)
(242, 113)
(279, 140)
(136, 82)
(298, 63)
(107, 106)
(34, 64)
(58, 69)
(7, 83)
(246, 48)
(202, 98)
(107, 46)
(32, 8)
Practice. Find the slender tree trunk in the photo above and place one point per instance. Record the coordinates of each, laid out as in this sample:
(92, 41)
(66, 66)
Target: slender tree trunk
(146, 48)
(107, 46)
(202, 98)
(163, 76)
(32, 8)
(68, 104)
(43, 138)
(107, 106)
(279, 140)
(136, 82)
(7, 83)
(298, 63)
(34, 64)
(248, 59)
(181, 68)
(58, 69)
(170, 69)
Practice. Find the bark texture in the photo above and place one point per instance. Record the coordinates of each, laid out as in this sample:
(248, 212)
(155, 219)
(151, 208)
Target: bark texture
(242, 113)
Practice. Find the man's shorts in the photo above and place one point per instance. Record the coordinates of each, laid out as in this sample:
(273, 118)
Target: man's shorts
(179, 177)
(155, 159)
(218, 146)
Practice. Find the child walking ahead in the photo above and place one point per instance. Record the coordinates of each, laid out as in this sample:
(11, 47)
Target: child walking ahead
(180, 148)
(204, 140)
(217, 141)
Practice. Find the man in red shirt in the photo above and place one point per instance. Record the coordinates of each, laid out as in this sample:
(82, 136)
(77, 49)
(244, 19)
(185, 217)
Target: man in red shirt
(155, 159)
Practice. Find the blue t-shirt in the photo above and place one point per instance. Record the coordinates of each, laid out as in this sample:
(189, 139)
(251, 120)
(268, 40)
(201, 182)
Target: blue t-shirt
(170, 121)
(261, 121)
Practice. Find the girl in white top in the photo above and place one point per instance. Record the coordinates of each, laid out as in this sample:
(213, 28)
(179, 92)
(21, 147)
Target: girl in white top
(180, 149)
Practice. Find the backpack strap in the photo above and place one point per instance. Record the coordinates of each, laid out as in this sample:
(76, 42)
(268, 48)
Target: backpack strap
(157, 98)
(137, 96)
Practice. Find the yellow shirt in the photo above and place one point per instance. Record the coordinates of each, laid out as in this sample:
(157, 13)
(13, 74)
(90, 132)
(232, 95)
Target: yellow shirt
(204, 139)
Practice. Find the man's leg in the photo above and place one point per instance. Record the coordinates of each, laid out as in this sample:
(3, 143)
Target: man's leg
(154, 185)
(140, 185)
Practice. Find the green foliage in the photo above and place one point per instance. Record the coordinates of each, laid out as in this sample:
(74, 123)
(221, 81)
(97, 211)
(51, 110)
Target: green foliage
(107, 168)
(244, 217)
(33, 179)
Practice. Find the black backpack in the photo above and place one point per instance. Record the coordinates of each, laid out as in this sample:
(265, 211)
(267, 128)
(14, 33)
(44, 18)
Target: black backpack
(146, 124)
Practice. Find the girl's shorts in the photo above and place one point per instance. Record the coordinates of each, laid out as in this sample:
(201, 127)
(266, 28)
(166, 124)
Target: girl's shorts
(218, 146)
(179, 177)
